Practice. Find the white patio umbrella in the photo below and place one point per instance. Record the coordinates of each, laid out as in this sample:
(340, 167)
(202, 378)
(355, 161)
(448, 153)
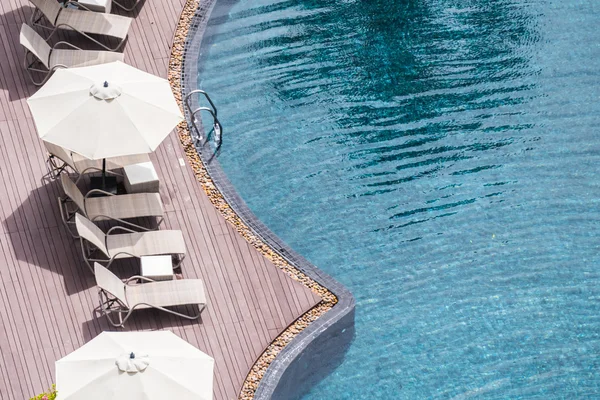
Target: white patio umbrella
(135, 366)
(105, 110)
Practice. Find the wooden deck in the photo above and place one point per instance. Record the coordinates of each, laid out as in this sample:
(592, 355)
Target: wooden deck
(48, 295)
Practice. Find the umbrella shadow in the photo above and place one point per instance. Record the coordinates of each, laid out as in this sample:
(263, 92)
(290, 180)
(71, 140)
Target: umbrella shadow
(39, 238)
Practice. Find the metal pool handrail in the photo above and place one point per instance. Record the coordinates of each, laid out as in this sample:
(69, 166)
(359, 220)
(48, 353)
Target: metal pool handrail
(212, 110)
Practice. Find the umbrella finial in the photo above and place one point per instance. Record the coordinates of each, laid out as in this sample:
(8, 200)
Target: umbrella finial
(132, 363)
(105, 91)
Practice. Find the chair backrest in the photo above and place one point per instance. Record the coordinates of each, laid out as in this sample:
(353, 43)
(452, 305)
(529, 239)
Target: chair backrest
(73, 192)
(111, 283)
(90, 232)
(60, 153)
(50, 9)
(35, 44)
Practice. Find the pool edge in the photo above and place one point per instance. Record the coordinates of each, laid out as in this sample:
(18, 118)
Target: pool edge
(286, 367)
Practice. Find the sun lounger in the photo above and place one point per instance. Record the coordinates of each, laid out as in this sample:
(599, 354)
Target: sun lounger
(81, 21)
(96, 246)
(52, 58)
(108, 207)
(59, 159)
(122, 298)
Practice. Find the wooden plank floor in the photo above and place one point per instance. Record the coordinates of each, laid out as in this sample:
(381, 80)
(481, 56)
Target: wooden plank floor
(48, 296)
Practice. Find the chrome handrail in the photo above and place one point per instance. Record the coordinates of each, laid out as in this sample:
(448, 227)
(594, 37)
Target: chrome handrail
(187, 99)
(217, 127)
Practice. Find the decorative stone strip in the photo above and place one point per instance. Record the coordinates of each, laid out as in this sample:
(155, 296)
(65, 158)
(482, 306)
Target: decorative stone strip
(192, 11)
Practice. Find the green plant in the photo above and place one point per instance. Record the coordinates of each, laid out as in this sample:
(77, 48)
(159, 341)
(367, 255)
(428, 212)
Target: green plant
(50, 395)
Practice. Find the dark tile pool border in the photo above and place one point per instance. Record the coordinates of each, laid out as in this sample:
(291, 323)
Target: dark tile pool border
(321, 345)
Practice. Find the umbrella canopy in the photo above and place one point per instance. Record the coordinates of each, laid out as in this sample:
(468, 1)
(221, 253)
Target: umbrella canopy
(135, 366)
(105, 110)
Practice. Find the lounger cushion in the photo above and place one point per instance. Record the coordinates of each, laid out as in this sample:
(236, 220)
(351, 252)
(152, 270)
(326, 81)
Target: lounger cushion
(124, 206)
(166, 293)
(93, 22)
(145, 243)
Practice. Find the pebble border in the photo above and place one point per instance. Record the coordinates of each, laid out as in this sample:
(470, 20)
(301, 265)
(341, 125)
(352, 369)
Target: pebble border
(176, 63)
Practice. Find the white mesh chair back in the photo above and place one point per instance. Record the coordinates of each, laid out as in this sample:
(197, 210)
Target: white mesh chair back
(111, 283)
(90, 232)
(50, 8)
(61, 153)
(73, 192)
(35, 44)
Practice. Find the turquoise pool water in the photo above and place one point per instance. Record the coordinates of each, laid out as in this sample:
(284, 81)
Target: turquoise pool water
(441, 159)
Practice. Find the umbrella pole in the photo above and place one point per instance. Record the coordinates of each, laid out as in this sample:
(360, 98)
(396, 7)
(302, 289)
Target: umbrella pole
(103, 173)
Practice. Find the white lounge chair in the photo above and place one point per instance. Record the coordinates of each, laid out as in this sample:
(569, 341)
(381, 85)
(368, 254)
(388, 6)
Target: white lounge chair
(52, 58)
(82, 21)
(108, 207)
(122, 298)
(59, 159)
(97, 246)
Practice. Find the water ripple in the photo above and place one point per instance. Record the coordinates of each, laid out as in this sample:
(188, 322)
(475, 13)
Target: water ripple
(440, 158)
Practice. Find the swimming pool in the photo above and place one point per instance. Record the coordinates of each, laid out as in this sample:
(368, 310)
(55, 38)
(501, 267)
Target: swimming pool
(440, 159)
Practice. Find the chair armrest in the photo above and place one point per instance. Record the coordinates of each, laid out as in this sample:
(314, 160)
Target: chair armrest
(57, 66)
(144, 278)
(120, 227)
(98, 191)
(62, 42)
(122, 221)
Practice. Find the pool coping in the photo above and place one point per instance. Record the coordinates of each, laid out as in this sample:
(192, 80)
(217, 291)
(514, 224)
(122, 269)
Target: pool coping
(336, 311)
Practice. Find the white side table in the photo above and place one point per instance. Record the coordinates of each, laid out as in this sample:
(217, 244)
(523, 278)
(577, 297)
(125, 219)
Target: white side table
(158, 268)
(103, 6)
(141, 178)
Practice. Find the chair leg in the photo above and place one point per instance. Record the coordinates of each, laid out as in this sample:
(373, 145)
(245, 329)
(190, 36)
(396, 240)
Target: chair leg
(54, 170)
(106, 305)
(121, 322)
(66, 217)
(29, 69)
(35, 19)
(86, 257)
(52, 32)
(87, 251)
(33, 80)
